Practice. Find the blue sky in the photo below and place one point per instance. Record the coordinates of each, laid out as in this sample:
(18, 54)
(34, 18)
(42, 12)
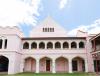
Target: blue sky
(73, 15)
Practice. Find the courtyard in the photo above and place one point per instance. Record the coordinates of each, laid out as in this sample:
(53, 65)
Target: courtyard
(49, 74)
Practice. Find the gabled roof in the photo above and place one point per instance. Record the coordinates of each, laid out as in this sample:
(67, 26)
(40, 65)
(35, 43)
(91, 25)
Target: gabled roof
(48, 23)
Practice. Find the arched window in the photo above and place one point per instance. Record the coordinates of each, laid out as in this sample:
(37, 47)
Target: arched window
(5, 44)
(81, 45)
(42, 45)
(49, 45)
(26, 45)
(57, 45)
(1, 43)
(33, 45)
(73, 45)
(65, 45)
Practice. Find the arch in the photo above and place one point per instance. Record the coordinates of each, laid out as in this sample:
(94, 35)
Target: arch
(46, 57)
(78, 57)
(45, 64)
(1, 41)
(61, 64)
(42, 45)
(73, 45)
(61, 57)
(34, 45)
(65, 45)
(29, 57)
(57, 45)
(26, 45)
(81, 44)
(4, 64)
(49, 45)
(30, 64)
(78, 64)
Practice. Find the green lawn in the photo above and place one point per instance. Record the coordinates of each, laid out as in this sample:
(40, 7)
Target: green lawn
(49, 74)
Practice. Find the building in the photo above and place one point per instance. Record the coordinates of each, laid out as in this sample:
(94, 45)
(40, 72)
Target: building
(48, 49)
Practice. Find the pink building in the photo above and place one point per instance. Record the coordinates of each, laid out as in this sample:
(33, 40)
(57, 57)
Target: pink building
(48, 49)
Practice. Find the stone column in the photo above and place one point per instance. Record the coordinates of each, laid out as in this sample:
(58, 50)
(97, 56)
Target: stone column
(69, 45)
(61, 45)
(53, 66)
(70, 65)
(37, 65)
(30, 45)
(77, 44)
(86, 65)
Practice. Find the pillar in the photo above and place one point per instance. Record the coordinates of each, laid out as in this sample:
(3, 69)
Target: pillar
(70, 66)
(86, 65)
(37, 65)
(69, 45)
(53, 66)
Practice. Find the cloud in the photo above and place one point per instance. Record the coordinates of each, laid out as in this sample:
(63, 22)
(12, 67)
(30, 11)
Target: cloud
(63, 3)
(93, 28)
(13, 12)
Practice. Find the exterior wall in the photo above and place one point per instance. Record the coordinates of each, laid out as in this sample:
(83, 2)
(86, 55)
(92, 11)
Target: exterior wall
(42, 65)
(89, 56)
(13, 43)
(80, 66)
(61, 65)
(14, 61)
(17, 55)
(12, 52)
(30, 65)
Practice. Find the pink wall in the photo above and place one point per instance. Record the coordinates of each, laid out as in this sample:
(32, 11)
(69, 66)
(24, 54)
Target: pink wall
(61, 65)
(30, 65)
(42, 66)
(79, 64)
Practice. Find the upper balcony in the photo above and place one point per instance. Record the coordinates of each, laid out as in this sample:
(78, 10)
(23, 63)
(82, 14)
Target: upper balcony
(54, 46)
(95, 44)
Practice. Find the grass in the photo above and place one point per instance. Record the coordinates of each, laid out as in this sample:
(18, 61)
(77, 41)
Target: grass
(50, 74)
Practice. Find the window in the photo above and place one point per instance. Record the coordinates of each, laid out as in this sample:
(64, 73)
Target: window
(33, 45)
(5, 46)
(57, 45)
(26, 45)
(43, 30)
(73, 45)
(81, 45)
(65, 45)
(49, 45)
(42, 45)
(1, 43)
(48, 29)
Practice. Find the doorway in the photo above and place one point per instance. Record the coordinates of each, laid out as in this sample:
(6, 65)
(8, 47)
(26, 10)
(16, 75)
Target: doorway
(74, 65)
(47, 65)
(4, 64)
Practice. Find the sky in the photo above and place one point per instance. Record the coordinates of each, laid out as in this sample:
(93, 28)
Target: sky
(73, 15)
